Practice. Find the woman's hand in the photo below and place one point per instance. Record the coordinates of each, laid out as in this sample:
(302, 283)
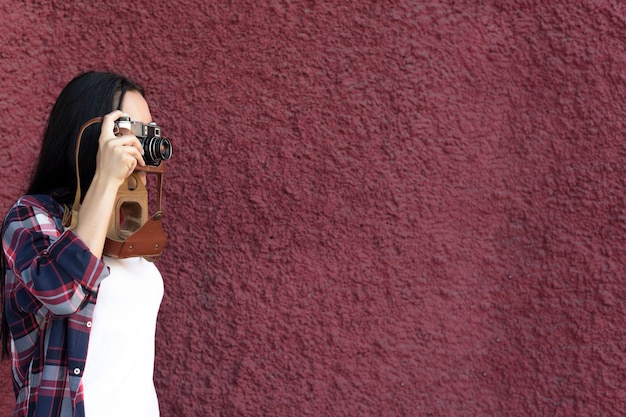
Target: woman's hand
(118, 156)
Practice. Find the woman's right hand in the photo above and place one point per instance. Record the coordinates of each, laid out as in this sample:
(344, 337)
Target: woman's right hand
(118, 156)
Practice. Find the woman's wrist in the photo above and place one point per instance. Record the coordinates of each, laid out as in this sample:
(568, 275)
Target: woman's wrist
(95, 213)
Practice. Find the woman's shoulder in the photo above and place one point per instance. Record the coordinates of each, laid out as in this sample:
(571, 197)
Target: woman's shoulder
(34, 204)
(42, 201)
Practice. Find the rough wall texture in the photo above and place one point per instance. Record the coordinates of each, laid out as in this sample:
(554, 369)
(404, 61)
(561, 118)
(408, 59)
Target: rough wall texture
(375, 208)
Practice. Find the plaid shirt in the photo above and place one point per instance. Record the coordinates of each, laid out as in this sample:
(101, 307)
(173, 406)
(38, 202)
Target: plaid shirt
(51, 287)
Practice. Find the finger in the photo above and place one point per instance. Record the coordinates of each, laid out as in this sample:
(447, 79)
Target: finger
(130, 158)
(131, 167)
(123, 150)
(130, 141)
(132, 146)
(137, 156)
(108, 121)
(126, 140)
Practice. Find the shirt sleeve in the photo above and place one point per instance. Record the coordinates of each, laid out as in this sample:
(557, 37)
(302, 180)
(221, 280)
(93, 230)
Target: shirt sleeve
(53, 264)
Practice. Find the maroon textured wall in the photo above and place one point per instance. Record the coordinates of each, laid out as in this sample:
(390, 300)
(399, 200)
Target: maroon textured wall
(375, 208)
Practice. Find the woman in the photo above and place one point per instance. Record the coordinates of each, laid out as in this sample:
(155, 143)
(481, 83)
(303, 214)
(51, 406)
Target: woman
(80, 325)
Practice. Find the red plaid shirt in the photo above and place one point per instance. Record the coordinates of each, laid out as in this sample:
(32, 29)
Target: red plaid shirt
(52, 281)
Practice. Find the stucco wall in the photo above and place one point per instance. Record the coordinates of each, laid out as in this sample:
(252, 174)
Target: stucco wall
(374, 208)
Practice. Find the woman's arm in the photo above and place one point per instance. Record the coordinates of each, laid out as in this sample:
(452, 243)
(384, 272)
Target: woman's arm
(54, 265)
(117, 158)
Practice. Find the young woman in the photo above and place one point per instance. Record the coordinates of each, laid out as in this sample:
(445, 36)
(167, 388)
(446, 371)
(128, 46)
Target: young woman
(80, 326)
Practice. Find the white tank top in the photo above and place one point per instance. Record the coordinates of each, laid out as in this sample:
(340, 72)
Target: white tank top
(118, 377)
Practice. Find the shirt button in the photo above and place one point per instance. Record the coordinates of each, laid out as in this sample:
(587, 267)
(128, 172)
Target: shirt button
(88, 324)
(76, 371)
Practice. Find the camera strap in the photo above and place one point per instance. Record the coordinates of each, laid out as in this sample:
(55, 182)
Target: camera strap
(70, 214)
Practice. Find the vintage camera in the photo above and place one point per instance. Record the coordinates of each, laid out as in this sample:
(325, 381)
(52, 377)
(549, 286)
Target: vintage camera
(156, 148)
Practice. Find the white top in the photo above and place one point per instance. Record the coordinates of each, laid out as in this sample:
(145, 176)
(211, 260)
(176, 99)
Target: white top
(118, 377)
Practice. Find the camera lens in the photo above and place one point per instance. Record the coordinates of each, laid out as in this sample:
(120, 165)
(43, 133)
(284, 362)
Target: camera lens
(156, 149)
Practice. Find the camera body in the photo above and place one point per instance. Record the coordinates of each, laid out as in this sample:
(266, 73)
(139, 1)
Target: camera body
(156, 148)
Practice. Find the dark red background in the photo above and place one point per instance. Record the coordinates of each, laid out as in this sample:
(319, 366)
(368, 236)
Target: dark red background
(375, 208)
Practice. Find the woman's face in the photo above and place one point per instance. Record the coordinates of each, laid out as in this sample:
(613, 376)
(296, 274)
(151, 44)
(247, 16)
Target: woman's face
(137, 108)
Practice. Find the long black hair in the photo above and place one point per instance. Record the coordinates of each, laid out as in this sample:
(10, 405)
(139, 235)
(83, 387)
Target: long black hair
(89, 95)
